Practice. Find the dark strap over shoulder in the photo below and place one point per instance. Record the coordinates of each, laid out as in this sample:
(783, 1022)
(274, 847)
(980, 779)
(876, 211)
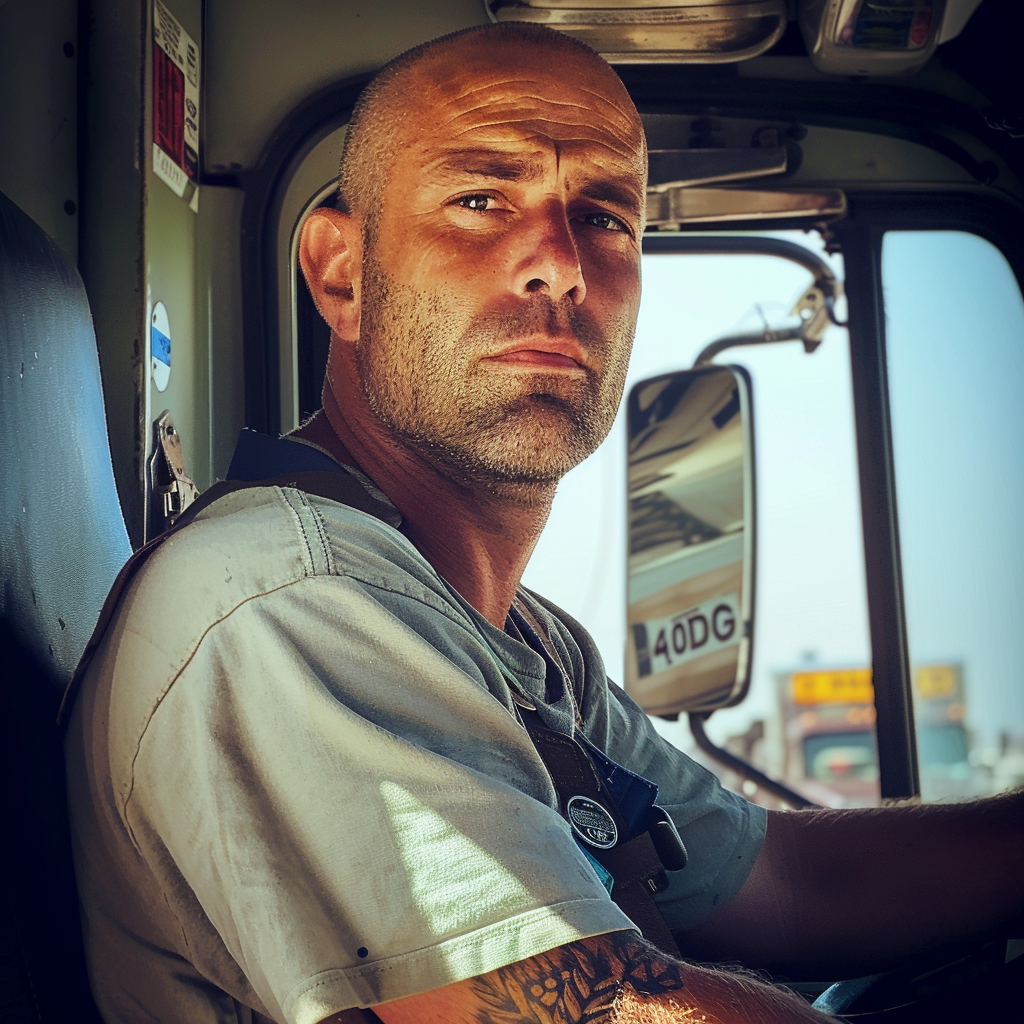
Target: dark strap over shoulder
(635, 865)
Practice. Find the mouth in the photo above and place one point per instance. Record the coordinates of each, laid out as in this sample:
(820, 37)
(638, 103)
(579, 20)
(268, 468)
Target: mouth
(544, 353)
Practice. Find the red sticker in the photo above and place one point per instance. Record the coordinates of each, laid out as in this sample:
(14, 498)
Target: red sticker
(169, 106)
(176, 68)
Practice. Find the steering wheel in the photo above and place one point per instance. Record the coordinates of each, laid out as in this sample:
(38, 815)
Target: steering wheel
(976, 985)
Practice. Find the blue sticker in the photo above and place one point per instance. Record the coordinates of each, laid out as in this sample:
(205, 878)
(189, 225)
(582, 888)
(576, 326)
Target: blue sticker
(161, 346)
(604, 876)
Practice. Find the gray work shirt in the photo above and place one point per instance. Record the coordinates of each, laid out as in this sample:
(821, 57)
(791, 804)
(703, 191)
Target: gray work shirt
(297, 783)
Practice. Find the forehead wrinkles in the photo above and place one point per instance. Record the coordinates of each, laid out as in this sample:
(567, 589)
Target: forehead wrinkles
(521, 90)
(509, 135)
(519, 104)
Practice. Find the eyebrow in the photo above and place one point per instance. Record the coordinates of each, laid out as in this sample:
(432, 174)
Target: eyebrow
(489, 163)
(623, 191)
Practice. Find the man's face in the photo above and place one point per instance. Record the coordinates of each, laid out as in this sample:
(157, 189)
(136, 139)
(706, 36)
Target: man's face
(501, 277)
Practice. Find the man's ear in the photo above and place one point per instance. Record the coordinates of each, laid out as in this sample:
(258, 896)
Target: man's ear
(331, 255)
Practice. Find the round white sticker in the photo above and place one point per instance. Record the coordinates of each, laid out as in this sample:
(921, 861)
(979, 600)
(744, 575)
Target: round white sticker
(591, 822)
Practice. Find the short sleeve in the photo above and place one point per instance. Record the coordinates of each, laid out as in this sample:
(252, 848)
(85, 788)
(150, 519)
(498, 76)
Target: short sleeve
(307, 798)
(722, 831)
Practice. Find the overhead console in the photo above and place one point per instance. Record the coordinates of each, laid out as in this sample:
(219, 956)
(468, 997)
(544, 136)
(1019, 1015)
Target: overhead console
(843, 37)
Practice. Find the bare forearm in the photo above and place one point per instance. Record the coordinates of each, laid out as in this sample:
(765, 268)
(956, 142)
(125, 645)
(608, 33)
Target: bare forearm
(914, 876)
(611, 979)
(846, 892)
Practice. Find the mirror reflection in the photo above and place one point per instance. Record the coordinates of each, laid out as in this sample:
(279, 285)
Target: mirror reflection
(690, 564)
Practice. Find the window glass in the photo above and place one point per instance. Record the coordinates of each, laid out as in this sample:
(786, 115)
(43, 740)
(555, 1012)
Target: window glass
(841, 756)
(955, 344)
(811, 613)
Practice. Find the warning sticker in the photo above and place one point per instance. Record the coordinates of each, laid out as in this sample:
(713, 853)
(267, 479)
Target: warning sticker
(175, 105)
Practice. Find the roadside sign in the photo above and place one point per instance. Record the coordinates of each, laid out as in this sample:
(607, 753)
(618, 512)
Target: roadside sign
(935, 682)
(833, 686)
(853, 685)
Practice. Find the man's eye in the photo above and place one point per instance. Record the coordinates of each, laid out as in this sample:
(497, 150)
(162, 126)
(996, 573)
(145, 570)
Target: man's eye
(605, 221)
(479, 203)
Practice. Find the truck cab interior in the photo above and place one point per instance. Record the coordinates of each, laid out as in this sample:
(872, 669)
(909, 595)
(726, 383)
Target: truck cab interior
(157, 160)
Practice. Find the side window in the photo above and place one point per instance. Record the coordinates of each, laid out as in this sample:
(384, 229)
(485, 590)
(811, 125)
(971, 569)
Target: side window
(955, 346)
(805, 718)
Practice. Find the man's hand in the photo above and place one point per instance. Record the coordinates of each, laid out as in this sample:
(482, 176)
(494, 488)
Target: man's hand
(611, 979)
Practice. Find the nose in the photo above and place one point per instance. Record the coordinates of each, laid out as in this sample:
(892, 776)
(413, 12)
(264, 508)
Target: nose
(549, 261)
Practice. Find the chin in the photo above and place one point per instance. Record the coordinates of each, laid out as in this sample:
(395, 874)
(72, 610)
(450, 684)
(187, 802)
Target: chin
(534, 452)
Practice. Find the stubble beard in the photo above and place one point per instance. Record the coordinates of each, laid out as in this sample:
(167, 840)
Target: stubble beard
(419, 364)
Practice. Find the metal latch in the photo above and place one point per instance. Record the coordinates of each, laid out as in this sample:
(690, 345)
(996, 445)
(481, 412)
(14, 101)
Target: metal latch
(814, 310)
(172, 488)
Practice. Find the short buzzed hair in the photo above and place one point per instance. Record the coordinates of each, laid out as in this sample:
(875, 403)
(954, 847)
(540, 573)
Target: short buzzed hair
(370, 140)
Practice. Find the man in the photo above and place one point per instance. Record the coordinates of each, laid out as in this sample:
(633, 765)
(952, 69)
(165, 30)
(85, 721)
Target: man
(300, 778)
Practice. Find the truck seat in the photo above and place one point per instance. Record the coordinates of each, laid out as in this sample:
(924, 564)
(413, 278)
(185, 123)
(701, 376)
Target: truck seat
(62, 536)
(62, 541)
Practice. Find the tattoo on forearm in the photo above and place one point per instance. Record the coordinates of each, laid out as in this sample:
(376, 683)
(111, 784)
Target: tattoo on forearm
(575, 984)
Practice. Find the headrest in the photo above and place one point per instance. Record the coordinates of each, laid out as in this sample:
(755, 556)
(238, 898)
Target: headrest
(62, 536)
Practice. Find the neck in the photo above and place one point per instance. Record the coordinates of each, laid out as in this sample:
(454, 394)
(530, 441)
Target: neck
(478, 536)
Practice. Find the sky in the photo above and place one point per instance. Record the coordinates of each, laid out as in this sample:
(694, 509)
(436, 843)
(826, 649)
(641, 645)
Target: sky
(956, 352)
(955, 335)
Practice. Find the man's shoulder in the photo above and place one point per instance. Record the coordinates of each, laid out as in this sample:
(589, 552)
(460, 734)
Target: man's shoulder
(259, 538)
(249, 553)
(255, 526)
(256, 544)
(250, 544)
(245, 544)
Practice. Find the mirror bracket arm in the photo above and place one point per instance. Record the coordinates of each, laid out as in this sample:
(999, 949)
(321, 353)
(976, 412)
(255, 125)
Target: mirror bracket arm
(744, 768)
(766, 337)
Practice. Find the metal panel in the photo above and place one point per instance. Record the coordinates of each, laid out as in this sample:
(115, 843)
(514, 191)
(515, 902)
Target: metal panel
(170, 228)
(111, 241)
(264, 58)
(39, 114)
(170, 245)
(219, 320)
(138, 248)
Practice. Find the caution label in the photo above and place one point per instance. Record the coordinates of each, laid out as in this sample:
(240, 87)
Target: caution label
(663, 643)
(175, 104)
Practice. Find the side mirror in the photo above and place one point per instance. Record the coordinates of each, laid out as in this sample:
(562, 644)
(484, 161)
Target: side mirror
(690, 580)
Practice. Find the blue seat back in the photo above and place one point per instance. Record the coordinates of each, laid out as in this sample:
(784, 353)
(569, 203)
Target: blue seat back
(62, 541)
(62, 535)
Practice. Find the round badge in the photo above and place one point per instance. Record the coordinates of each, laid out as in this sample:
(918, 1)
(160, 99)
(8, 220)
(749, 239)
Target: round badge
(592, 823)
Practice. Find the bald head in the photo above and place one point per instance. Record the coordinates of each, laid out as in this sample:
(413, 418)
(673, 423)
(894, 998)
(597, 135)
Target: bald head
(389, 111)
(483, 284)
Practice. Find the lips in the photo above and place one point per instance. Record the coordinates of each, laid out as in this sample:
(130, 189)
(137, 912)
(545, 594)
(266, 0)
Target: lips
(548, 353)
